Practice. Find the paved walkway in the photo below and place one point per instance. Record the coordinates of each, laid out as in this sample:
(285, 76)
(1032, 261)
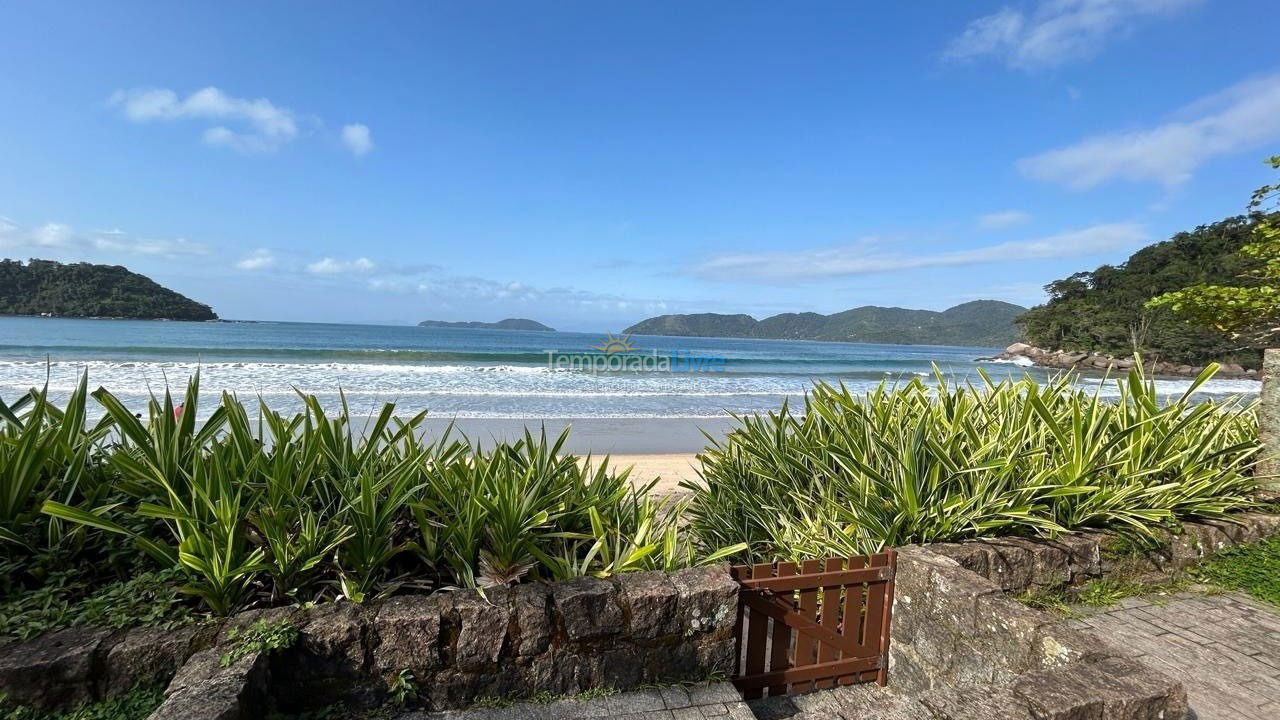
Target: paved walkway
(1224, 648)
(717, 701)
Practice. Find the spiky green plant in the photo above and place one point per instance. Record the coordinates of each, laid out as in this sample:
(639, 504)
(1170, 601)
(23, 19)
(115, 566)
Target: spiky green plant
(316, 504)
(918, 463)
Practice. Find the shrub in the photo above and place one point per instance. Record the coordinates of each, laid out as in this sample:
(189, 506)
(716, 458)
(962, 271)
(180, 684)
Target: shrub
(314, 505)
(918, 463)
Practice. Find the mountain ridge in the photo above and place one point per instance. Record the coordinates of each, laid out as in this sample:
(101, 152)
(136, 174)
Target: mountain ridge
(980, 323)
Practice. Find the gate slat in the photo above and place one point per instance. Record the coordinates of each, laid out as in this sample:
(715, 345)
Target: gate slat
(757, 633)
(852, 618)
(875, 612)
(780, 653)
(806, 653)
(830, 613)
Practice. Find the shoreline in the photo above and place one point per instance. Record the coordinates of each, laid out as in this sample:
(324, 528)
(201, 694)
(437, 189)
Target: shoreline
(1095, 361)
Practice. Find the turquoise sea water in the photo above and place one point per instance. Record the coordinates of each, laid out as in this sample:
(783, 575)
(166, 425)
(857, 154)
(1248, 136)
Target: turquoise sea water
(462, 373)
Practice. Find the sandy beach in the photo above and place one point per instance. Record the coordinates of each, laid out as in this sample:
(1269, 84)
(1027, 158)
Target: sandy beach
(663, 448)
(669, 468)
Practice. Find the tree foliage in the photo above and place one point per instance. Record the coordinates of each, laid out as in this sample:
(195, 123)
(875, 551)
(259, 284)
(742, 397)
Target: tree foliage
(1108, 309)
(88, 290)
(1249, 308)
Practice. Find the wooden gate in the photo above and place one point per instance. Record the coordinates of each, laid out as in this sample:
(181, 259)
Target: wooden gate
(817, 625)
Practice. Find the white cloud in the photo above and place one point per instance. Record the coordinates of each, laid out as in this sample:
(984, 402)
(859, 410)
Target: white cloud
(1243, 116)
(260, 259)
(62, 239)
(866, 257)
(331, 266)
(357, 139)
(265, 126)
(148, 246)
(52, 235)
(1003, 219)
(1055, 32)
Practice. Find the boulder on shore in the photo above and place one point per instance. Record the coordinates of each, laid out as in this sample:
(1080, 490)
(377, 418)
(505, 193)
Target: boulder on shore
(1080, 360)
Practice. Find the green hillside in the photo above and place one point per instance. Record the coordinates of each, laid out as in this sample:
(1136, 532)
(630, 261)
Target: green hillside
(41, 287)
(1103, 310)
(985, 323)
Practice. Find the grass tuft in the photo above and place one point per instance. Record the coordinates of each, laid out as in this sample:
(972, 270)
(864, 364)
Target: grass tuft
(1252, 568)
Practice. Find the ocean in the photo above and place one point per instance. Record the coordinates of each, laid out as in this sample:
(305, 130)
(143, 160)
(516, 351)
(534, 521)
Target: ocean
(469, 373)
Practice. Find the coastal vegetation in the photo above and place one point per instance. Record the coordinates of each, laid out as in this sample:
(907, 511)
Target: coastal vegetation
(1108, 309)
(1247, 308)
(915, 463)
(981, 323)
(1212, 294)
(507, 324)
(45, 287)
(294, 508)
(234, 511)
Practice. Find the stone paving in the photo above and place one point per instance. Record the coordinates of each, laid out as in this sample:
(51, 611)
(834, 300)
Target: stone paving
(715, 701)
(1224, 648)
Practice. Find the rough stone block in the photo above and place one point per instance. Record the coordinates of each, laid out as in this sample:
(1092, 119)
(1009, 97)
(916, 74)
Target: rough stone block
(976, 703)
(969, 555)
(1263, 525)
(707, 600)
(53, 671)
(145, 656)
(648, 602)
(481, 625)
(531, 623)
(1020, 563)
(332, 640)
(329, 663)
(1003, 635)
(587, 609)
(1109, 689)
(1009, 566)
(908, 673)
(204, 690)
(1084, 555)
(1209, 539)
(405, 635)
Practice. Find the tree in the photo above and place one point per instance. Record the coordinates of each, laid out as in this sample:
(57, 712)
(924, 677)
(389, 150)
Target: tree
(1249, 310)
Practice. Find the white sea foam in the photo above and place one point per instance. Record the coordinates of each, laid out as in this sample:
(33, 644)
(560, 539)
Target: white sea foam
(502, 390)
(1018, 360)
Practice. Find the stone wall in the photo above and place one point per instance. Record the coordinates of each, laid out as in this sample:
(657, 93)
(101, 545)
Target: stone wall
(956, 638)
(561, 638)
(963, 650)
(1018, 564)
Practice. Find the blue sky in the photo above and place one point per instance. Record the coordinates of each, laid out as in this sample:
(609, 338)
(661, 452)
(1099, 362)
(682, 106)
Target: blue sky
(589, 164)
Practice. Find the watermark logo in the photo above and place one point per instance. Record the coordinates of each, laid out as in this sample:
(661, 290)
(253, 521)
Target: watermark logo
(614, 344)
(616, 353)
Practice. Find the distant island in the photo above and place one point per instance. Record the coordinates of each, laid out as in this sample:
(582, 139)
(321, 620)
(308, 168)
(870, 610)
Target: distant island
(981, 323)
(46, 287)
(508, 324)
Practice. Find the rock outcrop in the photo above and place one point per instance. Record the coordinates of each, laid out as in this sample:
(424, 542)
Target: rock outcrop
(1095, 361)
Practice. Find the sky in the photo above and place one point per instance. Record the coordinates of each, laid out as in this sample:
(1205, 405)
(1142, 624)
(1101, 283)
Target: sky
(588, 164)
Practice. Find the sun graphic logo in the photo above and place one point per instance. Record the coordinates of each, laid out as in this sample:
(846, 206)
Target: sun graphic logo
(614, 344)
